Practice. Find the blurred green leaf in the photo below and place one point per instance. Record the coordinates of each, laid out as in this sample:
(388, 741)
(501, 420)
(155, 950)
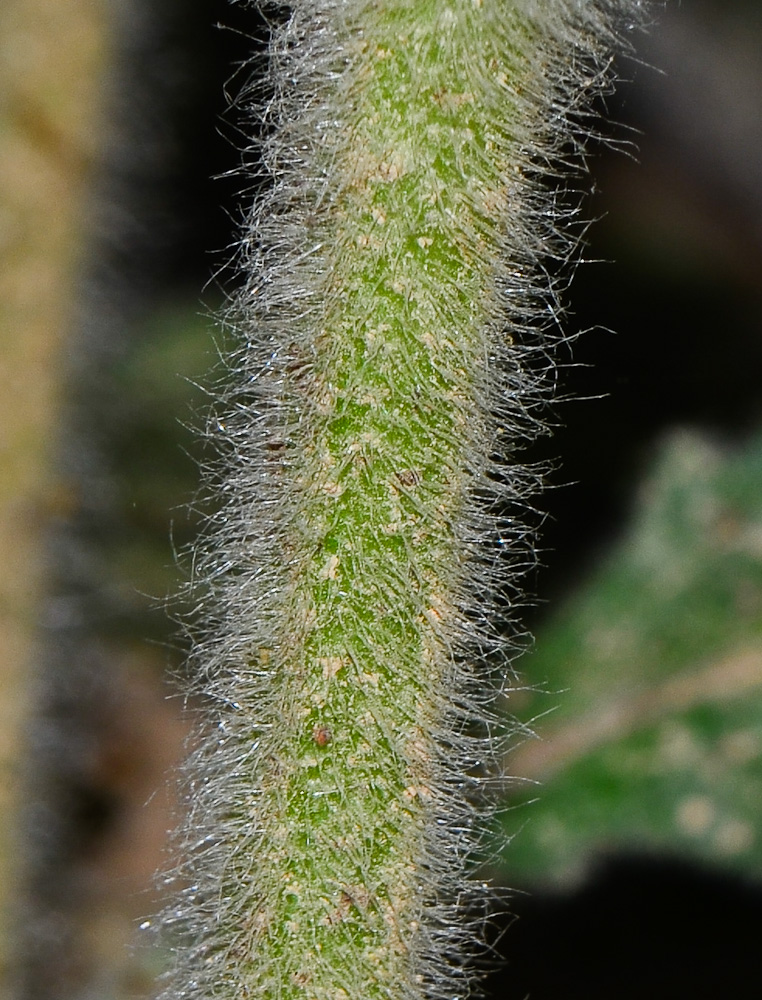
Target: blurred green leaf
(654, 668)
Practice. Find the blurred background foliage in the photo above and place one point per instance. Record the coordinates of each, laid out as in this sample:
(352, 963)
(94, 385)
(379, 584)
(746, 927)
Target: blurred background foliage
(636, 819)
(655, 744)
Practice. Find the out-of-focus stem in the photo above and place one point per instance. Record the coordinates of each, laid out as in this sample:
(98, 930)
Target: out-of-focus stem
(51, 53)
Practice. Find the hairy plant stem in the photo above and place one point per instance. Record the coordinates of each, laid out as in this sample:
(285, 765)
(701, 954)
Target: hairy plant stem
(370, 491)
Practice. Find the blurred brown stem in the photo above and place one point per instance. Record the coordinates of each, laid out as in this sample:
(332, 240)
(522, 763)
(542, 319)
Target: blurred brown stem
(51, 53)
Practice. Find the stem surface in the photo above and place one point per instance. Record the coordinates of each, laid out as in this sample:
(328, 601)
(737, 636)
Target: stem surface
(396, 245)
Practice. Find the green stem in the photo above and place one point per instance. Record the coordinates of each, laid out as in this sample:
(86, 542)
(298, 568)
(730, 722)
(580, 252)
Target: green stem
(397, 242)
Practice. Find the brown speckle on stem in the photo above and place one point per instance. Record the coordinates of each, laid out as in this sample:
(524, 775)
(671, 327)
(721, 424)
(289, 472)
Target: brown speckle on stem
(322, 735)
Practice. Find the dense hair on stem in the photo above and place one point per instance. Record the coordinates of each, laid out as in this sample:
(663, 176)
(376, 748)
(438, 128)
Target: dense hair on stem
(395, 331)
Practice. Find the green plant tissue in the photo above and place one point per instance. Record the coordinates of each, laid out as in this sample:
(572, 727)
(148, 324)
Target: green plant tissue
(651, 676)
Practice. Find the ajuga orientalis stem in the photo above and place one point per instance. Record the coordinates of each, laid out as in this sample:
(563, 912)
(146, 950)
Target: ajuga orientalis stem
(392, 330)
